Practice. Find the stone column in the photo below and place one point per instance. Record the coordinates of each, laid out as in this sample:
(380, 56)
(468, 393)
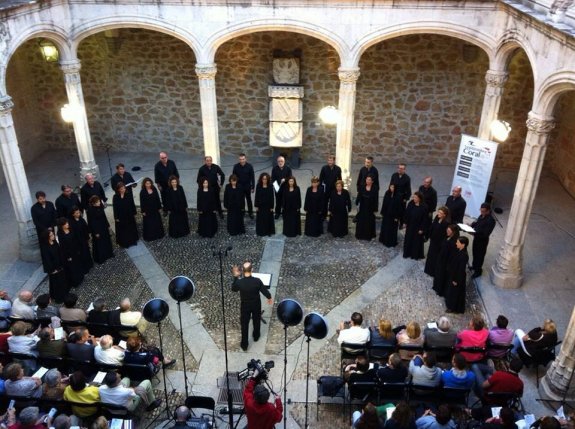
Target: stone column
(556, 381)
(207, 81)
(507, 271)
(17, 183)
(493, 91)
(71, 70)
(346, 109)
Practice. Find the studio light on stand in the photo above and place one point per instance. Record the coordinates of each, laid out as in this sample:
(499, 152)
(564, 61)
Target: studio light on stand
(290, 313)
(221, 253)
(181, 288)
(329, 115)
(315, 326)
(500, 130)
(154, 311)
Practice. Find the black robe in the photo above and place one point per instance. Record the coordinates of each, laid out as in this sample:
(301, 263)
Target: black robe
(457, 272)
(150, 206)
(234, 204)
(125, 179)
(124, 216)
(339, 207)
(264, 202)
(80, 230)
(392, 213)
(53, 266)
(367, 201)
(314, 207)
(64, 205)
(456, 208)
(87, 192)
(446, 252)
(99, 227)
(277, 175)
(416, 219)
(177, 204)
(71, 251)
(437, 234)
(43, 217)
(291, 207)
(207, 207)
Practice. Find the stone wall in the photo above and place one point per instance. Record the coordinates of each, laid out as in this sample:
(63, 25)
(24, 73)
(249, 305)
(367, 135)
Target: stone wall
(141, 92)
(244, 73)
(560, 157)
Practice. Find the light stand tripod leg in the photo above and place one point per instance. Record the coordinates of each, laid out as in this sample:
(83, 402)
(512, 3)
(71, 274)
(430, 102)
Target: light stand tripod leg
(307, 384)
(164, 372)
(285, 376)
(183, 351)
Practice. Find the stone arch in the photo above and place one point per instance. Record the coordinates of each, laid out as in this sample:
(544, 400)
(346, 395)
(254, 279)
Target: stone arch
(290, 25)
(90, 28)
(508, 45)
(550, 90)
(482, 40)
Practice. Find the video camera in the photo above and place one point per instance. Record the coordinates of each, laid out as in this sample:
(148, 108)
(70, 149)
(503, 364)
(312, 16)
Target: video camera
(254, 366)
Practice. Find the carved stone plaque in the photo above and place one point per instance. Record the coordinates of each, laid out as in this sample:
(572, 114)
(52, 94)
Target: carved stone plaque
(286, 134)
(286, 70)
(286, 110)
(277, 91)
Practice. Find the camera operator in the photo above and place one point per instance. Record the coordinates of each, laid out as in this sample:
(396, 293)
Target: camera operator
(260, 413)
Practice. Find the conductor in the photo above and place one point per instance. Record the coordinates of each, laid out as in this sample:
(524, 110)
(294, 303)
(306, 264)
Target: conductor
(250, 289)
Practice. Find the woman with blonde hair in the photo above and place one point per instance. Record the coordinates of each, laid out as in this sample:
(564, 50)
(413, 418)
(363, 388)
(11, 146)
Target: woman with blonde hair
(411, 335)
(529, 346)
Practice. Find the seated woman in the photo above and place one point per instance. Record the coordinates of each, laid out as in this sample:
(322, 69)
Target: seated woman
(401, 418)
(54, 385)
(17, 384)
(410, 336)
(529, 345)
(383, 336)
(366, 419)
(151, 356)
(475, 336)
(78, 391)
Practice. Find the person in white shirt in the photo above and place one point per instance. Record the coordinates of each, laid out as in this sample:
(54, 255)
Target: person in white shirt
(131, 318)
(20, 342)
(22, 306)
(354, 334)
(5, 310)
(107, 353)
(117, 390)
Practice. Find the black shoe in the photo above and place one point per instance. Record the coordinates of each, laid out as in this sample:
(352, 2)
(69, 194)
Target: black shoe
(154, 405)
(277, 216)
(170, 364)
(256, 338)
(244, 348)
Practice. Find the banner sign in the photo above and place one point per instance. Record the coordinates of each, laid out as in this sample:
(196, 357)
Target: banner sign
(473, 171)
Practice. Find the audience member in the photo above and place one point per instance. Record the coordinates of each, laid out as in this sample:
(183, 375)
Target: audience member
(62, 421)
(29, 418)
(351, 332)
(80, 345)
(78, 391)
(439, 420)
(107, 353)
(48, 347)
(530, 344)
(54, 385)
(117, 390)
(44, 309)
(401, 418)
(100, 423)
(139, 355)
(182, 415)
(500, 335)
(20, 342)
(393, 371)
(383, 335)
(474, 336)
(361, 370)
(5, 310)
(442, 336)
(368, 419)
(488, 380)
(410, 336)
(22, 306)
(505, 420)
(2, 382)
(458, 376)
(423, 370)
(131, 318)
(99, 314)
(71, 313)
(17, 384)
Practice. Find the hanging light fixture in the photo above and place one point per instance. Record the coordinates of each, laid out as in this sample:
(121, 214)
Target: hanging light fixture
(49, 51)
(329, 115)
(500, 130)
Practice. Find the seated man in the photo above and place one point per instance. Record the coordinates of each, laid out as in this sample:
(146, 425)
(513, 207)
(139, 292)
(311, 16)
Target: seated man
(5, 310)
(49, 347)
(500, 335)
(44, 309)
(18, 385)
(458, 376)
(107, 353)
(20, 342)
(136, 354)
(79, 391)
(102, 316)
(393, 371)
(80, 345)
(474, 336)
(131, 318)
(69, 312)
(442, 336)
(423, 370)
(489, 380)
(182, 416)
(22, 306)
(116, 390)
(353, 333)
(361, 370)
(54, 385)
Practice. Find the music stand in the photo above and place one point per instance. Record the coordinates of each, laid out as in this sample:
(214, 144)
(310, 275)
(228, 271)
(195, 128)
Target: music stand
(315, 326)
(289, 313)
(181, 288)
(154, 311)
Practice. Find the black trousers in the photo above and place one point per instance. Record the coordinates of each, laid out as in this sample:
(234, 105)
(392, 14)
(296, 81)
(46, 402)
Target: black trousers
(479, 251)
(248, 196)
(218, 200)
(279, 201)
(250, 310)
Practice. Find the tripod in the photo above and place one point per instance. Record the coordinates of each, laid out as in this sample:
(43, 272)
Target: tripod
(167, 408)
(183, 350)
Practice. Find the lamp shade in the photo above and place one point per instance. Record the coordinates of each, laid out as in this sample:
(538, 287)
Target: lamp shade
(329, 115)
(290, 312)
(181, 288)
(315, 326)
(156, 310)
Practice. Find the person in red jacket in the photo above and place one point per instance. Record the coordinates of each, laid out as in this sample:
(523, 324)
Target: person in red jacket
(261, 414)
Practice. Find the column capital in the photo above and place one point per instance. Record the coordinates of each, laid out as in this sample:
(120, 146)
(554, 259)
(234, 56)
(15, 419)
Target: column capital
(69, 67)
(348, 75)
(539, 124)
(6, 105)
(495, 80)
(206, 71)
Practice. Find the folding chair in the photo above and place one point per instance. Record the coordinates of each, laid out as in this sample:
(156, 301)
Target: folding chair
(330, 387)
(204, 402)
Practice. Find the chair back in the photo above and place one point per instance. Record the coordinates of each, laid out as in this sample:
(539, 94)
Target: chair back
(380, 352)
(361, 390)
(54, 362)
(442, 353)
(455, 395)
(422, 393)
(503, 349)
(205, 402)
(351, 350)
(331, 386)
(504, 399)
(137, 372)
(394, 392)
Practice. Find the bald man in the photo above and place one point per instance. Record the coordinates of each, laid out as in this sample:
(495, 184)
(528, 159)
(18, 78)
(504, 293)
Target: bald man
(22, 306)
(163, 169)
(90, 188)
(280, 174)
(456, 205)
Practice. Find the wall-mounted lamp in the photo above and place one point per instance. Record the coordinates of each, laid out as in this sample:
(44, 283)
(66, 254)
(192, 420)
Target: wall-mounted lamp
(69, 113)
(49, 51)
(500, 130)
(329, 115)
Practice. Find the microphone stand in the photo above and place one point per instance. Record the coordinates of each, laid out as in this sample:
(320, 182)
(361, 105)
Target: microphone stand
(183, 351)
(221, 253)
